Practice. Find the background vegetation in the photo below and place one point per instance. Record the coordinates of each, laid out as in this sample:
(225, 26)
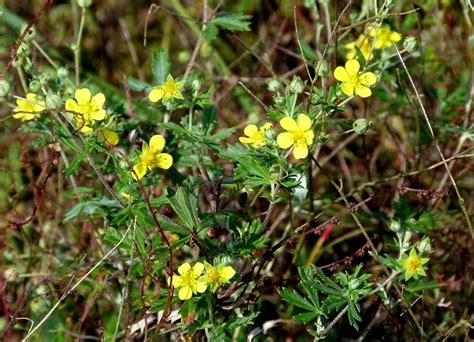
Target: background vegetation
(319, 245)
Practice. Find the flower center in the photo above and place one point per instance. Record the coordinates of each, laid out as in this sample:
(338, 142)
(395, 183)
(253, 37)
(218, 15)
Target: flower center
(413, 264)
(213, 276)
(258, 138)
(354, 80)
(299, 137)
(170, 87)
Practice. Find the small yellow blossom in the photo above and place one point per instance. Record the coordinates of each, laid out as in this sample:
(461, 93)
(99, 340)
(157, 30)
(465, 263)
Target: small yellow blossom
(127, 196)
(363, 43)
(86, 109)
(110, 136)
(299, 134)
(27, 109)
(413, 265)
(255, 136)
(189, 281)
(354, 83)
(384, 37)
(216, 276)
(165, 92)
(152, 157)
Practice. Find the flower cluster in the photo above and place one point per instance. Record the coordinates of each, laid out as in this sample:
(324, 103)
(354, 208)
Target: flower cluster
(353, 81)
(191, 281)
(299, 135)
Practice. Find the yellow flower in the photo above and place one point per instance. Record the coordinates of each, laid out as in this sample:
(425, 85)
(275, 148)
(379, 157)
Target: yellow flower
(363, 44)
(255, 136)
(26, 109)
(189, 281)
(86, 109)
(298, 133)
(352, 82)
(384, 37)
(216, 276)
(152, 157)
(413, 265)
(165, 92)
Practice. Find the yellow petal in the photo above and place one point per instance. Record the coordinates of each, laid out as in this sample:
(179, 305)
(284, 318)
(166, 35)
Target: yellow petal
(304, 122)
(184, 268)
(83, 95)
(177, 280)
(157, 143)
(227, 273)
(288, 123)
(367, 79)
(250, 130)
(185, 293)
(309, 136)
(140, 170)
(395, 37)
(267, 126)
(99, 98)
(201, 286)
(340, 73)
(156, 94)
(86, 129)
(285, 140)
(177, 95)
(347, 88)
(352, 67)
(164, 161)
(72, 105)
(31, 97)
(363, 91)
(198, 268)
(98, 115)
(245, 140)
(110, 136)
(300, 151)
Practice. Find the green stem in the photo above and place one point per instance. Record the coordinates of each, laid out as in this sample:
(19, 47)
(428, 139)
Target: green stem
(77, 48)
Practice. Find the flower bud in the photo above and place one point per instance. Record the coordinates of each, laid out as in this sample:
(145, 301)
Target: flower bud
(273, 85)
(62, 72)
(4, 88)
(395, 226)
(53, 101)
(196, 85)
(183, 56)
(23, 50)
(84, 3)
(110, 136)
(34, 86)
(411, 44)
(361, 126)
(322, 68)
(424, 246)
(296, 85)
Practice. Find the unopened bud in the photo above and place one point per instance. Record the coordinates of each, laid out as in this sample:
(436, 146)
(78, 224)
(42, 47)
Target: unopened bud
(411, 44)
(424, 246)
(34, 86)
(296, 85)
(361, 126)
(322, 68)
(273, 85)
(53, 101)
(84, 3)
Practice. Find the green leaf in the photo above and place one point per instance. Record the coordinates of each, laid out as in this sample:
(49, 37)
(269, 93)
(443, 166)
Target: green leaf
(294, 298)
(140, 241)
(305, 317)
(138, 85)
(185, 207)
(210, 32)
(113, 236)
(232, 21)
(160, 65)
(74, 165)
